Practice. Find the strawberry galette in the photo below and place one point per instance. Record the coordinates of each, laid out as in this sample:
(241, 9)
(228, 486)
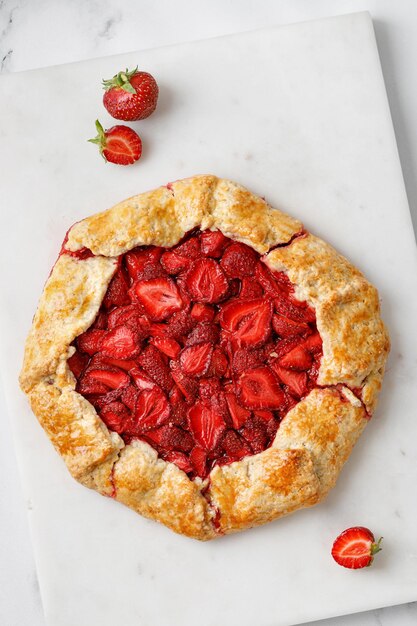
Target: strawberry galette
(200, 357)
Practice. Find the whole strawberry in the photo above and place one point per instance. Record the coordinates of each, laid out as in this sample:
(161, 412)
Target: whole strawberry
(130, 95)
(119, 144)
(355, 548)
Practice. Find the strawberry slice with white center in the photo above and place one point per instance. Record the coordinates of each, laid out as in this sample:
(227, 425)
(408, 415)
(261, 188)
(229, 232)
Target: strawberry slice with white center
(297, 359)
(259, 389)
(195, 360)
(295, 381)
(355, 548)
(151, 410)
(248, 320)
(206, 424)
(159, 296)
(120, 343)
(206, 281)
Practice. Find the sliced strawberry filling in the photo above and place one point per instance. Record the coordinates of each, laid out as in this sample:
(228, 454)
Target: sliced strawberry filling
(199, 350)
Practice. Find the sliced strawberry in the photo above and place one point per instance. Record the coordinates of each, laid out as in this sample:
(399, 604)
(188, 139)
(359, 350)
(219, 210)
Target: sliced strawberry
(255, 432)
(188, 386)
(284, 327)
(206, 424)
(114, 380)
(284, 346)
(143, 263)
(128, 396)
(180, 459)
(259, 389)
(154, 364)
(244, 359)
(198, 457)
(180, 324)
(264, 276)
(297, 359)
(159, 296)
(117, 291)
(250, 289)
(132, 316)
(158, 330)
(170, 437)
(89, 386)
(99, 361)
(265, 415)
(209, 387)
(203, 332)
(248, 320)
(118, 144)
(295, 381)
(120, 343)
(141, 379)
(202, 312)
(100, 322)
(167, 346)
(174, 263)
(313, 344)
(195, 360)
(114, 415)
(219, 364)
(285, 307)
(151, 410)
(238, 414)
(239, 260)
(355, 548)
(213, 243)
(91, 341)
(206, 281)
(77, 363)
(234, 446)
(179, 408)
(190, 248)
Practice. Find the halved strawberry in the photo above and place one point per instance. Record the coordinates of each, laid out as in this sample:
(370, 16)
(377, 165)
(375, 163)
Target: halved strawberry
(151, 409)
(202, 312)
(154, 364)
(244, 359)
(206, 281)
(248, 320)
(180, 459)
(250, 289)
(283, 346)
(258, 388)
(91, 341)
(206, 424)
(238, 414)
(174, 263)
(120, 343)
(198, 457)
(190, 248)
(313, 344)
(195, 360)
(170, 437)
(297, 359)
(167, 346)
(203, 332)
(295, 381)
(180, 324)
(143, 263)
(188, 386)
(213, 243)
(239, 260)
(114, 415)
(234, 446)
(114, 380)
(219, 364)
(88, 386)
(284, 327)
(159, 296)
(264, 276)
(77, 363)
(117, 291)
(131, 315)
(355, 548)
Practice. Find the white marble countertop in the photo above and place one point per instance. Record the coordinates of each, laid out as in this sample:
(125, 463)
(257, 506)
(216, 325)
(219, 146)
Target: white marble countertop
(48, 32)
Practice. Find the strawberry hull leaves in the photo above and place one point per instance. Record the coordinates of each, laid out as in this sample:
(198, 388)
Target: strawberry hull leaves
(199, 350)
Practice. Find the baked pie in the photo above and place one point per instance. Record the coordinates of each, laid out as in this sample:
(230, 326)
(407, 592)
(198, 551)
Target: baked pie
(203, 359)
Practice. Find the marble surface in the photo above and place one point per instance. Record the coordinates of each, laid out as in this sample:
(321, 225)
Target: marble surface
(93, 29)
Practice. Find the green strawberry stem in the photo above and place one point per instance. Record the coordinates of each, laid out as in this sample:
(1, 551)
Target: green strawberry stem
(122, 80)
(100, 139)
(376, 546)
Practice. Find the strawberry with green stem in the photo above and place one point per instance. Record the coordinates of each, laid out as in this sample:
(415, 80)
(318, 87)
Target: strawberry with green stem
(118, 144)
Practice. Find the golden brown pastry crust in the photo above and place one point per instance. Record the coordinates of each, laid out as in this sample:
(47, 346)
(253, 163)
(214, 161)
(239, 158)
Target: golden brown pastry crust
(314, 439)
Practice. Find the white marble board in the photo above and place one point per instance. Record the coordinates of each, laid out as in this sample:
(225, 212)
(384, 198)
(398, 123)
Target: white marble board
(298, 114)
